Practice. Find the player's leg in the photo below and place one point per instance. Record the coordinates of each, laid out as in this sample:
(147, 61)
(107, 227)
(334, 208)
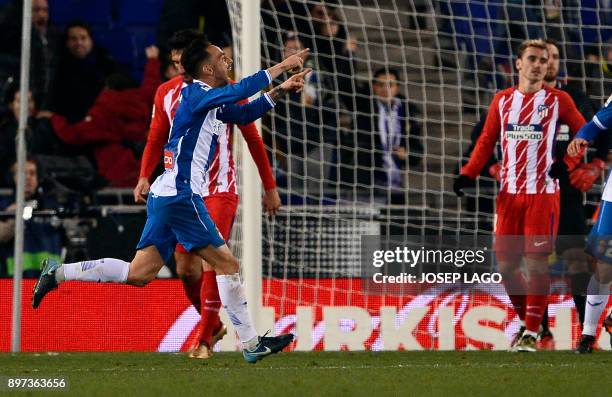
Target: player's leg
(139, 272)
(222, 210)
(509, 252)
(155, 247)
(570, 246)
(541, 225)
(195, 230)
(599, 245)
(234, 301)
(189, 271)
(597, 299)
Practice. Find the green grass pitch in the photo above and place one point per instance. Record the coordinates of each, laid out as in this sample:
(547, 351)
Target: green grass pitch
(449, 374)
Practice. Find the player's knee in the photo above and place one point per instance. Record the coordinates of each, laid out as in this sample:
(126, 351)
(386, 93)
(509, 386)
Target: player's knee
(139, 276)
(188, 268)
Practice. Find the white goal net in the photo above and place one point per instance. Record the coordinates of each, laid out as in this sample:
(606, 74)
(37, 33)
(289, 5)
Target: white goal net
(373, 143)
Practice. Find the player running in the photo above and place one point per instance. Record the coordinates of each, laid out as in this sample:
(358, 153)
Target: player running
(220, 194)
(599, 243)
(525, 118)
(175, 209)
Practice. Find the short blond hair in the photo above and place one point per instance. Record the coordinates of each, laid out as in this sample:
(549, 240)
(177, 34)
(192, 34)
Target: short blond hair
(535, 43)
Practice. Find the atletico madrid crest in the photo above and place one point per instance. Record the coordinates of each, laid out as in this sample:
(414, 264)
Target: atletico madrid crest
(543, 111)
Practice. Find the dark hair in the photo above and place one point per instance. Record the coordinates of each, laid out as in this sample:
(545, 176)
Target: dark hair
(182, 38)
(194, 55)
(120, 82)
(77, 24)
(551, 42)
(381, 71)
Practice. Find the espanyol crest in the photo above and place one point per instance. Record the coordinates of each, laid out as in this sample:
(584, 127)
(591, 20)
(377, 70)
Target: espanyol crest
(543, 111)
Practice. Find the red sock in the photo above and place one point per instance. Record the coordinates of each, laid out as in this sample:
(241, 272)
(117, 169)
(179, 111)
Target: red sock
(537, 300)
(211, 303)
(193, 293)
(516, 287)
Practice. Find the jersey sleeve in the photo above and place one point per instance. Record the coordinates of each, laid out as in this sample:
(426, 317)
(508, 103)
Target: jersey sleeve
(258, 152)
(603, 118)
(485, 145)
(159, 131)
(569, 113)
(210, 98)
(247, 113)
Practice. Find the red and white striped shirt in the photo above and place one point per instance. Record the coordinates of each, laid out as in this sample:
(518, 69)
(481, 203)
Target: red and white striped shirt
(221, 177)
(527, 124)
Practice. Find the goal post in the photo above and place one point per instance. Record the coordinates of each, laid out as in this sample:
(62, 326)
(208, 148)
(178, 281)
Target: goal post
(343, 173)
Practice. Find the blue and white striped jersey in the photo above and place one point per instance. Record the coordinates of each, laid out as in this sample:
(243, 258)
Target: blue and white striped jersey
(203, 113)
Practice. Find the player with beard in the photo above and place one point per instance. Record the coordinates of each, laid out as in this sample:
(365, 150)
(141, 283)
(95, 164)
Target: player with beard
(175, 208)
(220, 195)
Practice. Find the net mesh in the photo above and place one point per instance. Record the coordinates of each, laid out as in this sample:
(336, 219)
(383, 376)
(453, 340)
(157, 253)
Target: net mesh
(431, 67)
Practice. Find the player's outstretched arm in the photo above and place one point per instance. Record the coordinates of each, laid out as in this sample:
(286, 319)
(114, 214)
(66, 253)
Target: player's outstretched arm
(247, 113)
(211, 98)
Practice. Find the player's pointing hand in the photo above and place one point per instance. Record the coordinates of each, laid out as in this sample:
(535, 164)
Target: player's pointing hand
(295, 82)
(295, 62)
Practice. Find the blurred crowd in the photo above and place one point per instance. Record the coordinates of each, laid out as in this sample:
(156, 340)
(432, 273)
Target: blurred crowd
(488, 33)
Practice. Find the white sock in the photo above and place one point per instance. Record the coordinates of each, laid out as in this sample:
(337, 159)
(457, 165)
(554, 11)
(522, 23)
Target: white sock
(99, 270)
(596, 302)
(235, 304)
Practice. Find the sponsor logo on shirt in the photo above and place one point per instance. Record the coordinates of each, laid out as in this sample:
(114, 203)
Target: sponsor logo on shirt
(543, 111)
(168, 160)
(524, 132)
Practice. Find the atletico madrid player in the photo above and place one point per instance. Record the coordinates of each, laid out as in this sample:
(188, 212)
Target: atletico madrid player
(525, 118)
(220, 194)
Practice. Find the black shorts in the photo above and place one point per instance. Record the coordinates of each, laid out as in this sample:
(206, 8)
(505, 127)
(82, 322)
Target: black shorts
(572, 223)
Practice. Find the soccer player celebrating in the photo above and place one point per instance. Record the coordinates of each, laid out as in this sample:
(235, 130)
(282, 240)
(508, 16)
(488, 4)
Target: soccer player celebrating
(175, 209)
(599, 243)
(525, 118)
(220, 194)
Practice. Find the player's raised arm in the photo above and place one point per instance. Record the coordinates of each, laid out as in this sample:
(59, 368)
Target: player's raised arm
(208, 64)
(244, 114)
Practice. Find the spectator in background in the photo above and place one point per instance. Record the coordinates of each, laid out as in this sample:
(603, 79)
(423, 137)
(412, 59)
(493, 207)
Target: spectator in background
(333, 48)
(42, 237)
(388, 134)
(598, 67)
(40, 137)
(115, 123)
(82, 72)
(301, 149)
(44, 48)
